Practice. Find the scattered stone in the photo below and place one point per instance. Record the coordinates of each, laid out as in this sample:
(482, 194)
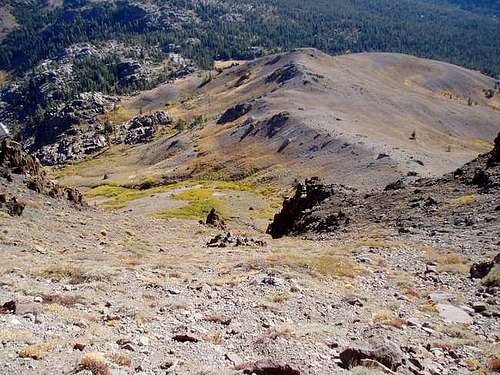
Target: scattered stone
(453, 314)
(185, 337)
(270, 367)
(228, 239)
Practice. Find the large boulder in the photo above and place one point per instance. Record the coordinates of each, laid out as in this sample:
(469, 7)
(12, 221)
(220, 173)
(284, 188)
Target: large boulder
(385, 353)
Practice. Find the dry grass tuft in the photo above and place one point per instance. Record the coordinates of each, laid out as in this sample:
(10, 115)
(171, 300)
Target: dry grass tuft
(280, 297)
(37, 351)
(15, 335)
(218, 318)
(95, 363)
(120, 359)
(63, 300)
(325, 265)
(216, 338)
(70, 273)
(466, 199)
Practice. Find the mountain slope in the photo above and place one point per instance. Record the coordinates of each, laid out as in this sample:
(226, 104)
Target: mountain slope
(348, 119)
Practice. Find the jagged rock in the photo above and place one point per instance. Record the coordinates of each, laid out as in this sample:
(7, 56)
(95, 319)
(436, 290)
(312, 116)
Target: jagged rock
(234, 113)
(229, 240)
(270, 367)
(11, 206)
(482, 269)
(13, 158)
(306, 196)
(385, 353)
(215, 220)
(495, 153)
(275, 123)
(284, 74)
(141, 129)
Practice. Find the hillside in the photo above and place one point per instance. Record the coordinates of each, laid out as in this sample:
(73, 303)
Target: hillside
(348, 119)
(92, 291)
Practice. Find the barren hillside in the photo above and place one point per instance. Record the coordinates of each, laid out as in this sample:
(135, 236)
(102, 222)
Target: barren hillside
(361, 119)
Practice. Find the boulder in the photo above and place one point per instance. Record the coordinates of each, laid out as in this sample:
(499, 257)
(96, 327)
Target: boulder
(385, 353)
(215, 220)
(270, 367)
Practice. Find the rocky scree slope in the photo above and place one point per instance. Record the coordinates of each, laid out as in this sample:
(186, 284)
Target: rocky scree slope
(84, 290)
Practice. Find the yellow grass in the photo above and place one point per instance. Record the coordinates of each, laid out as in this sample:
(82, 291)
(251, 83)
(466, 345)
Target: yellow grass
(3, 77)
(37, 351)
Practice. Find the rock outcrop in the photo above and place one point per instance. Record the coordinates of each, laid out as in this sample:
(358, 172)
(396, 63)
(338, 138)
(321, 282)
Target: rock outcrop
(13, 160)
(11, 205)
(141, 129)
(306, 196)
(214, 220)
(386, 354)
(234, 113)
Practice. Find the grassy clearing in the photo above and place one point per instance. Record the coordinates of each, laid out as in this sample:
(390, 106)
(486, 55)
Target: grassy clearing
(201, 196)
(451, 263)
(201, 202)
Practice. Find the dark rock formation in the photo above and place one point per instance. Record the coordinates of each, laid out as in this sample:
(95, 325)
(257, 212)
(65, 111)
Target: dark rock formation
(270, 367)
(284, 74)
(234, 113)
(276, 123)
(141, 129)
(306, 196)
(14, 160)
(482, 269)
(495, 153)
(215, 220)
(11, 206)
